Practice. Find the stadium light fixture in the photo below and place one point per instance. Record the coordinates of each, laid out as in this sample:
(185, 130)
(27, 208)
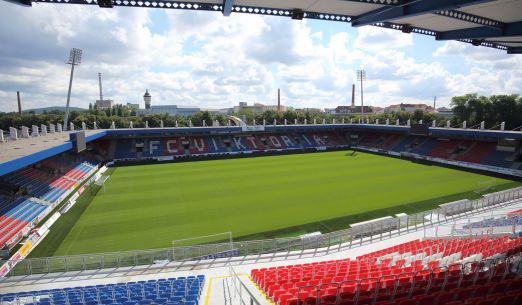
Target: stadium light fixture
(105, 3)
(407, 29)
(75, 59)
(477, 42)
(297, 14)
(361, 76)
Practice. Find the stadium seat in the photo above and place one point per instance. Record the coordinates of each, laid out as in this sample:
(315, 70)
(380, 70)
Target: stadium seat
(402, 282)
(183, 290)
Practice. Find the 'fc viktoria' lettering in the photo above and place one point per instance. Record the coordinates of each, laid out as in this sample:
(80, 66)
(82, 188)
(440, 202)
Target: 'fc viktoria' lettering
(199, 146)
(275, 141)
(153, 145)
(238, 143)
(318, 140)
(252, 141)
(287, 141)
(172, 146)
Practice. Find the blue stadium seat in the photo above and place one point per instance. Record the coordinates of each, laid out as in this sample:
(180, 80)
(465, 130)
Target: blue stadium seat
(165, 292)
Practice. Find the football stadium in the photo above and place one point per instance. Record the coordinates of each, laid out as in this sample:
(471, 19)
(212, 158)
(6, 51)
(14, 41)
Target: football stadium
(334, 212)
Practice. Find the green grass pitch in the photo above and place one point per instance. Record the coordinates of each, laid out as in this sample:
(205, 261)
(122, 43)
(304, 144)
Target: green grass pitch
(148, 206)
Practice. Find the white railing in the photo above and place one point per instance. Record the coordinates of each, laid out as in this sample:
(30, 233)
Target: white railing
(327, 243)
(24, 132)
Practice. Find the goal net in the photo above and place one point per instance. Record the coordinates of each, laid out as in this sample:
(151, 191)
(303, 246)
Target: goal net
(204, 247)
(100, 182)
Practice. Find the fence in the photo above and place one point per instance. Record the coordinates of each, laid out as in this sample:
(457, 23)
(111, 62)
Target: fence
(478, 226)
(242, 294)
(451, 278)
(325, 243)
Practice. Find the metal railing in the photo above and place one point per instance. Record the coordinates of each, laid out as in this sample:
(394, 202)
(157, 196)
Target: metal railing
(199, 254)
(488, 271)
(242, 293)
(281, 122)
(478, 226)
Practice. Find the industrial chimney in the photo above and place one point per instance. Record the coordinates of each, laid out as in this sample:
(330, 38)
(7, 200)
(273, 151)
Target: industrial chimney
(99, 80)
(278, 100)
(19, 103)
(353, 95)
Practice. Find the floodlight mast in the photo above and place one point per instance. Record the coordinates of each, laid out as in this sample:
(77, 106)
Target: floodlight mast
(75, 59)
(361, 76)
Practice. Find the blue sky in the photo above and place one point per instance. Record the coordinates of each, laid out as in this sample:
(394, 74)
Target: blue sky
(207, 60)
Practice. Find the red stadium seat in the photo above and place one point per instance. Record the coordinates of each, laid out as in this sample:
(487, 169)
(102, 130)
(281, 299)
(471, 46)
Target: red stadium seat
(407, 302)
(370, 281)
(504, 300)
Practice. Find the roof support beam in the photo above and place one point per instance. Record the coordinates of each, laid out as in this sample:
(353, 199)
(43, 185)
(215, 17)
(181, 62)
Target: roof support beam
(454, 14)
(380, 2)
(410, 9)
(509, 29)
(227, 7)
(515, 50)
(21, 2)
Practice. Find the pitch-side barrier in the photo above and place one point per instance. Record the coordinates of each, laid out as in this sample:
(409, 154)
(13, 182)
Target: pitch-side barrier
(365, 233)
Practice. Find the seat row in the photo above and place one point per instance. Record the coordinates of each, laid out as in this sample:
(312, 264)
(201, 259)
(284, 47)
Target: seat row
(15, 220)
(480, 152)
(21, 211)
(505, 221)
(295, 283)
(172, 291)
(223, 144)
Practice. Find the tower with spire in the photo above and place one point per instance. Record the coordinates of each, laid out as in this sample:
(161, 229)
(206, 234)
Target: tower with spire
(147, 98)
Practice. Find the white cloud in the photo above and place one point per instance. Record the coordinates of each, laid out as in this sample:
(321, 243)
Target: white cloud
(207, 60)
(490, 71)
(379, 39)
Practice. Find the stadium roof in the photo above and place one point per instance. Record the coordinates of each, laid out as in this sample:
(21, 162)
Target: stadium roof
(489, 23)
(18, 154)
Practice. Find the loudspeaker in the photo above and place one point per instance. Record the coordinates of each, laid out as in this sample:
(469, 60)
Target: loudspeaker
(406, 28)
(105, 3)
(297, 14)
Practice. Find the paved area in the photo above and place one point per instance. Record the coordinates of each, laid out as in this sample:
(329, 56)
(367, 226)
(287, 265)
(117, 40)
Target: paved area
(15, 149)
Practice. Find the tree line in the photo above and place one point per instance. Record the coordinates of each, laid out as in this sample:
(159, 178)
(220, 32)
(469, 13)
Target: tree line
(493, 110)
(154, 120)
(470, 108)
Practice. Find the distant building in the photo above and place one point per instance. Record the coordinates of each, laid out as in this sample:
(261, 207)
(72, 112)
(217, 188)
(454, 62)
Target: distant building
(356, 110)
(309, 110)
(408, 108)
(377, 110)
(133, 106)
(259, 108)
(329, 110)
(147, 98)
(224, 111)
(445, 112)
(170, 110)
(104, 104)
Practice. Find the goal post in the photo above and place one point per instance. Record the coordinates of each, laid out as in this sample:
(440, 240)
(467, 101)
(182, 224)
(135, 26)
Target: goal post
(101, 181)
(484, 186)
(204, 246)
(204, 239)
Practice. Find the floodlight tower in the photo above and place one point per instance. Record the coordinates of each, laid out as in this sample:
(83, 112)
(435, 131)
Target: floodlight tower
(75, 59)
(361, 76)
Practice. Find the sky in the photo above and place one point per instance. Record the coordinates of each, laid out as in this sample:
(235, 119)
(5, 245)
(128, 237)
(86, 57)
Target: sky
(205, 59)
